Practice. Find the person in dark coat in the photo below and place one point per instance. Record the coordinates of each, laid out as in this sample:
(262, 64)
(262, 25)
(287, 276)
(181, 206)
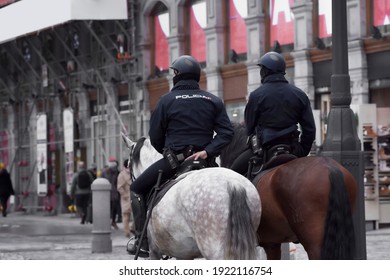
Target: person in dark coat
(81, 190)
(111, 174)
(274, 111)
(6, 188)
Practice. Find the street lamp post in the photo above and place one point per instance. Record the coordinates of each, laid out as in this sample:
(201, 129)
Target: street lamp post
(341, 141)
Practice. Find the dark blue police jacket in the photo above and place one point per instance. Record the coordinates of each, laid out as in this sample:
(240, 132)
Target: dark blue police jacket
(274, 110)
(187, 116)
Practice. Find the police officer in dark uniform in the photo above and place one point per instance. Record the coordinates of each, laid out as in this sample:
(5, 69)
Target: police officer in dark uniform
(183, 126)
(273, 112)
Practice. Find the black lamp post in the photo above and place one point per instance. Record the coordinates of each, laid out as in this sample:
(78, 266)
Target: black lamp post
(342, 142)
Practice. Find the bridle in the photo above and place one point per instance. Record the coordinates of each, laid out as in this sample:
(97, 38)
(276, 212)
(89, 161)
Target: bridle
(130, 164)
(135, 148)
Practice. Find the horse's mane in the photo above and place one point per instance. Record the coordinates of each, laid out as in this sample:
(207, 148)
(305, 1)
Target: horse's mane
(236, 146)
(137, 150)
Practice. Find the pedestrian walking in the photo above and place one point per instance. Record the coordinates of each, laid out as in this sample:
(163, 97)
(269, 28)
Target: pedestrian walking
(6, 188)
(81, 190)
(111, 174)
(124, 183)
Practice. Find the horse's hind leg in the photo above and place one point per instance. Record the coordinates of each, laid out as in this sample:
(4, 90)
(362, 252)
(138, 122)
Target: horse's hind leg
(154, 251)
(272, 250)
(312, 245)
(154, 255)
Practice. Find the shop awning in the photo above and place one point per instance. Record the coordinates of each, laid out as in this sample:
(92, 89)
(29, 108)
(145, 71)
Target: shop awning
(29, 16)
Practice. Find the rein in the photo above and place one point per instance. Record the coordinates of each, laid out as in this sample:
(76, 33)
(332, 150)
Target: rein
(130, 165)
(134, 156)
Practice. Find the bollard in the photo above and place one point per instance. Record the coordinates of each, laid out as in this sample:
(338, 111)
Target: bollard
(101, 230)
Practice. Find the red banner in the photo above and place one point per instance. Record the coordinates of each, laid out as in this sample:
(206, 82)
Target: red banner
(381, 12)
(198, 37)
(5, 2)
(325, 18)
(282, 22)
(161, 45)
(238, 33)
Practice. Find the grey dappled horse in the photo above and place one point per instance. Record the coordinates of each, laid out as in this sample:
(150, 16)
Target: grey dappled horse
(212, 213)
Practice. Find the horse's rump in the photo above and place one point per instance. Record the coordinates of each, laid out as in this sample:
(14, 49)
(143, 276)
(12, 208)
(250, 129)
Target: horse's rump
(195, 212)
(309, 200)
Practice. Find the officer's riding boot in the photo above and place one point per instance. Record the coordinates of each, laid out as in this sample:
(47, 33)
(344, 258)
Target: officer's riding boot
(138, 206)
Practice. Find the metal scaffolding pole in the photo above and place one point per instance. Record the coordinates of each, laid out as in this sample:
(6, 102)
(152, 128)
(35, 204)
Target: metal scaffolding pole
(83, 69)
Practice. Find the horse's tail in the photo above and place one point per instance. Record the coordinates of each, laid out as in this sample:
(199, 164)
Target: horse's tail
(241, 233)
(339, 234)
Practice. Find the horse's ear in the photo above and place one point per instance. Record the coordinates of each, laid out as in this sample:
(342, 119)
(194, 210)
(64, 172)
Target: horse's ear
(127, 140)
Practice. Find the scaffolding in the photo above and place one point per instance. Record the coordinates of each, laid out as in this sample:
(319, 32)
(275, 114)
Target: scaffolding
(97, 64)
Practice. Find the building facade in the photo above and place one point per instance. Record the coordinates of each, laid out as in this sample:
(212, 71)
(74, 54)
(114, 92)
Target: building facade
(109, 75)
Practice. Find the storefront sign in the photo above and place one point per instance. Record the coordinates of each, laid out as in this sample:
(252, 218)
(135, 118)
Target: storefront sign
(68, 119)
(42, 154)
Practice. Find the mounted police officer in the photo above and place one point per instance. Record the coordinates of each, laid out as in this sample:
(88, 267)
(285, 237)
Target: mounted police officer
(182, 127)
(273, 112)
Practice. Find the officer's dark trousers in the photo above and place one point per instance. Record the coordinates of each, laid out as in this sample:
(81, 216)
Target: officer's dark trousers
(139, 190)
(240, 164)
(146, 181)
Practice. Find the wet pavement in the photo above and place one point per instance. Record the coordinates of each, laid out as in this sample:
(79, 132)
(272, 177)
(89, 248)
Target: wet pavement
(62, 237)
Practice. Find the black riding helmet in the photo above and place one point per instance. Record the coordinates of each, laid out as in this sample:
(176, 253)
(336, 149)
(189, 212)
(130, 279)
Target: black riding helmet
(273, 61)
(186, 68)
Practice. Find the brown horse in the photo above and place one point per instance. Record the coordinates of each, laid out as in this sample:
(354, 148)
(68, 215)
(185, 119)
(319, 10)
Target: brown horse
(307, 200)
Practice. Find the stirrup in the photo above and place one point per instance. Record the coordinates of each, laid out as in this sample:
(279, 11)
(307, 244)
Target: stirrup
(132, 246)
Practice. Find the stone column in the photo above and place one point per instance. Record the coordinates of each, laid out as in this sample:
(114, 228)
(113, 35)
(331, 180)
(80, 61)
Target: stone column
(356, 17)
(214, 47)
(177, 36)
(303, 20)
(303, 73)
(255, 26)
(303, 33)
(358, 72)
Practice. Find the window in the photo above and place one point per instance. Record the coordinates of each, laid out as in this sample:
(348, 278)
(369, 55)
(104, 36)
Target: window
(281, 22)
(381, 15)
(238, 11)
(198, 21)
(236, 111)
(161, 33)
(325, 18)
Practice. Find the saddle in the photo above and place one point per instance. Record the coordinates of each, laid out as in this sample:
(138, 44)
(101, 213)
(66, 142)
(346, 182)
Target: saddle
(159, 191)
(273, 157)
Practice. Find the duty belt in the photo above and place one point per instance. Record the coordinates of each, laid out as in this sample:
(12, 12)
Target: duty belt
(176, 158)
(185, 153)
